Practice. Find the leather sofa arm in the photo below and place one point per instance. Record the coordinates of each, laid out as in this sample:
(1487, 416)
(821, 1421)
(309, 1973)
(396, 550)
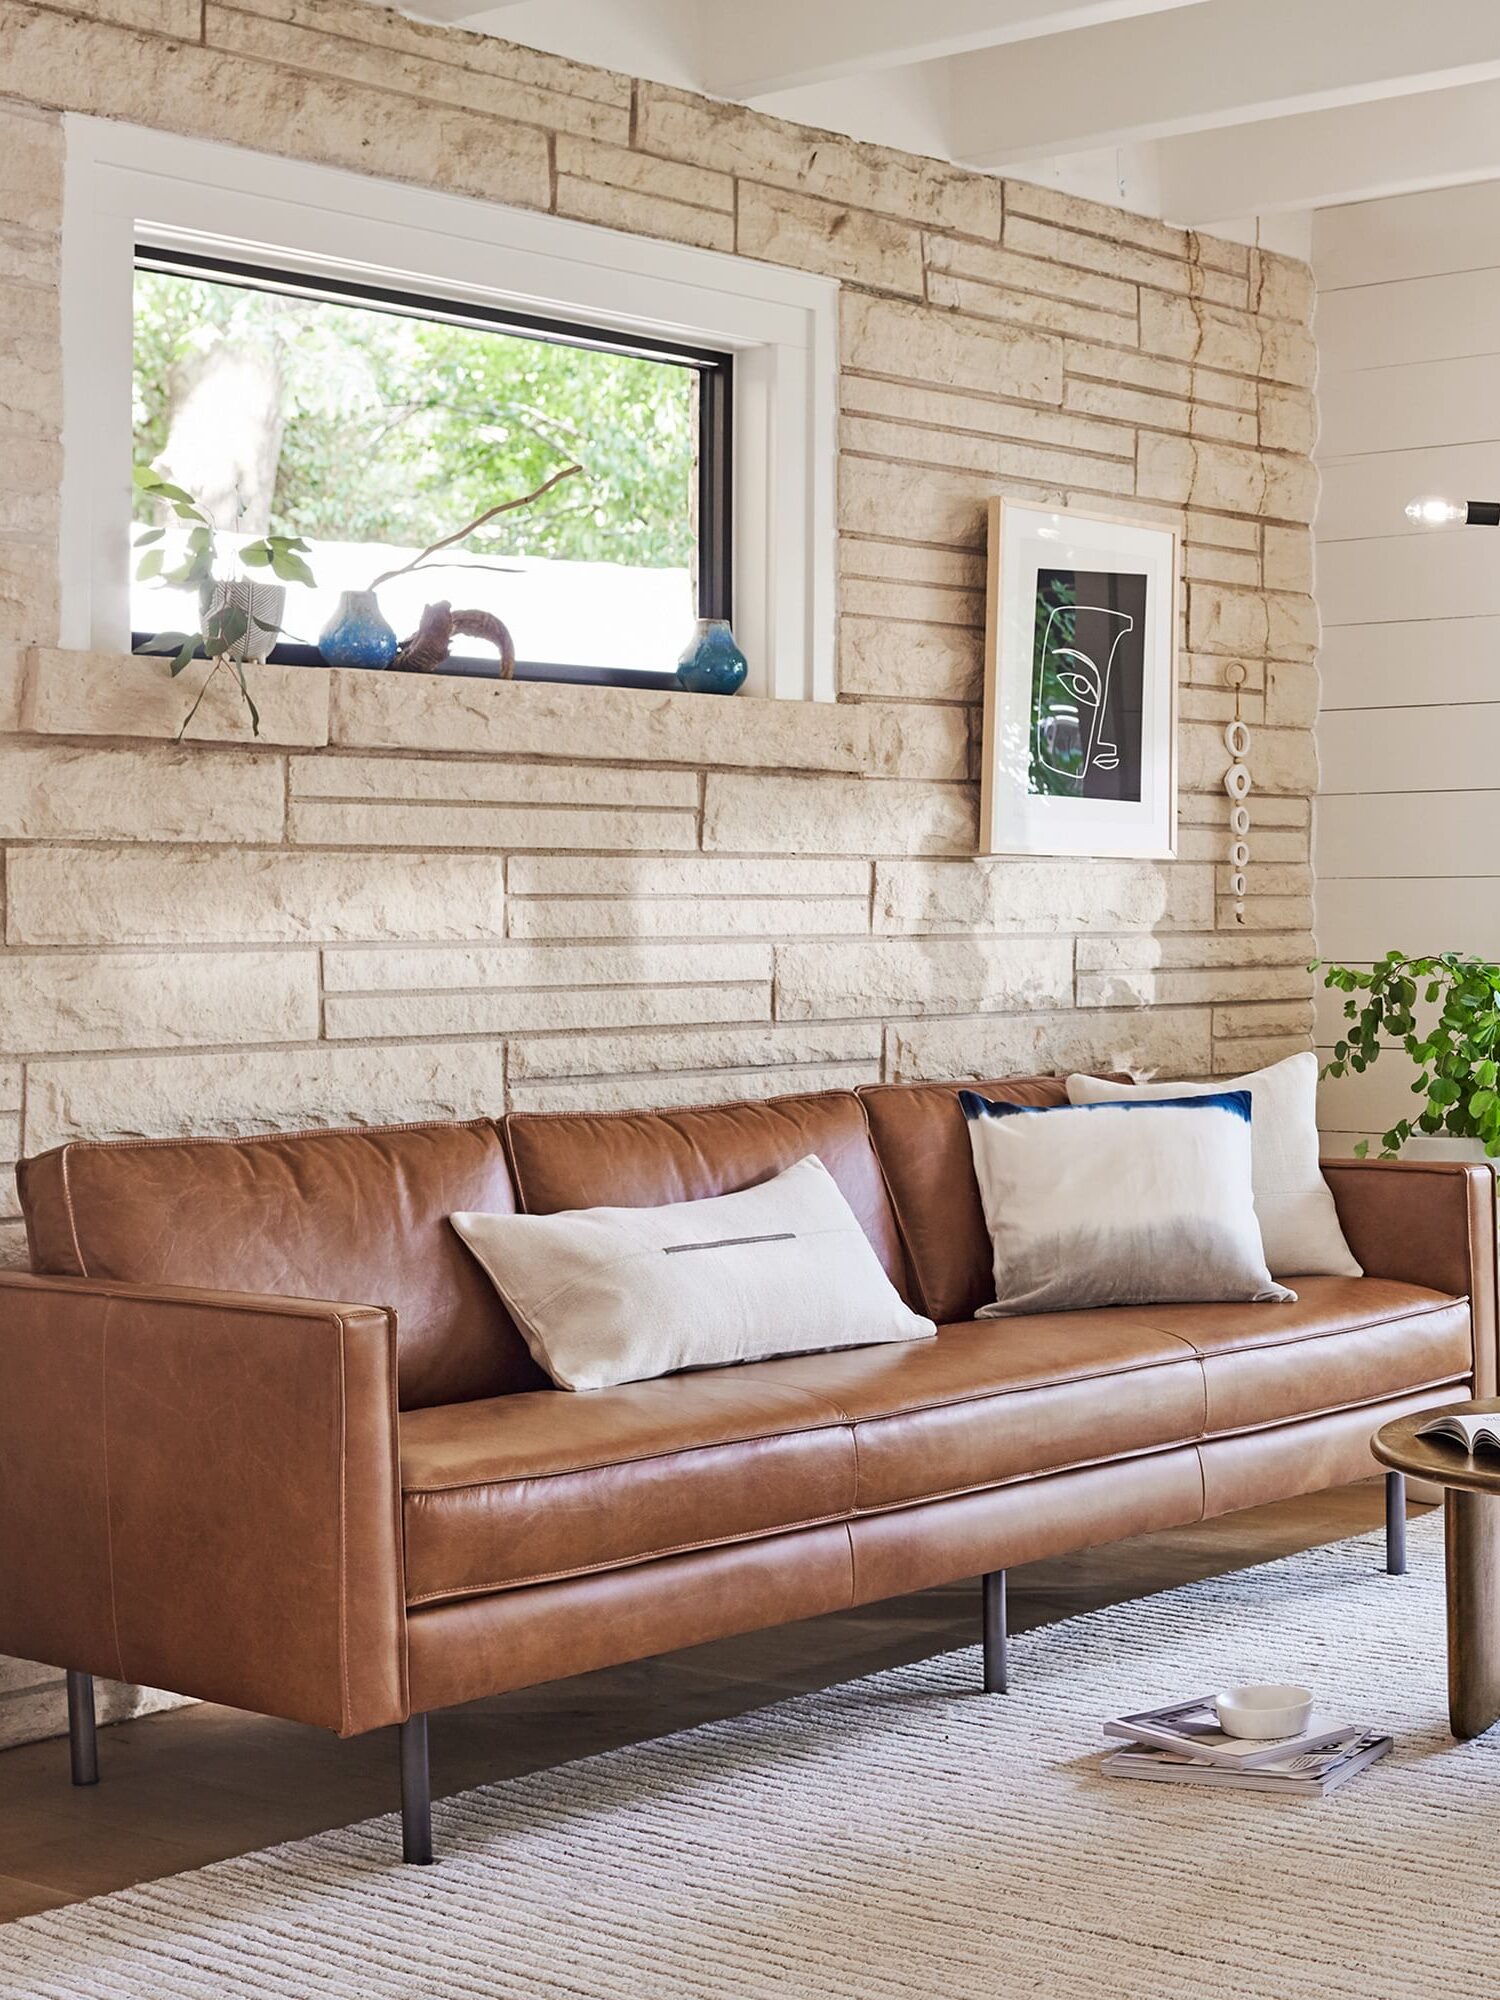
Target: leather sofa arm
(200, 1492)
(1427, 1222)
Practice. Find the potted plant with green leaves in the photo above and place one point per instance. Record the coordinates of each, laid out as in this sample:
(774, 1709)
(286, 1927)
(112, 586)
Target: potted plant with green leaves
(1444, 1013)
(239, 617)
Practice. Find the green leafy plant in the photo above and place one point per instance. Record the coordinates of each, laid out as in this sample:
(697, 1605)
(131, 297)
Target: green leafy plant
(222, 630)
(1453, 1048)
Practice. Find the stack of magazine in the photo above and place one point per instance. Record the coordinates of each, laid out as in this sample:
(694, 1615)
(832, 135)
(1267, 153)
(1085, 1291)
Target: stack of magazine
(1183, 1744)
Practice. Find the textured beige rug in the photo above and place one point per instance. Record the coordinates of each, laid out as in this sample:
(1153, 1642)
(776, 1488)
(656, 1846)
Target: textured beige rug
(901, 1836)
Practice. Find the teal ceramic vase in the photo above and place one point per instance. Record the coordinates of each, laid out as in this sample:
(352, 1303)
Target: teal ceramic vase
(358, 634)
(712, 662)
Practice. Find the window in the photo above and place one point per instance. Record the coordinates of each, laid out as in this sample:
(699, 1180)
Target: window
(733, 351)
(375, 424)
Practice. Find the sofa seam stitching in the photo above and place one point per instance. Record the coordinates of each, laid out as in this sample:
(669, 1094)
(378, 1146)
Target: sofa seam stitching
(398, 1510)
(269, 1305)
(83, 1269)
(1420, 1311)
(1333, 1409)
(840, 1519)
(343, 1480)
(301, 1132)
(608, 1464)
(109, 1524)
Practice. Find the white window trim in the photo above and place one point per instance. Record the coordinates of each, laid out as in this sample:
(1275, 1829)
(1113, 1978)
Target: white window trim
(124, 183)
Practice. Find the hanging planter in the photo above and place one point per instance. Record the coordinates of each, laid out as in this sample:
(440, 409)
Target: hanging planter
(239, 618)
(262, 605)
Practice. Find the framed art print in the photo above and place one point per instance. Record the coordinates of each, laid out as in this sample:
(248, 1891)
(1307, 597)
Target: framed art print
(1080, 689)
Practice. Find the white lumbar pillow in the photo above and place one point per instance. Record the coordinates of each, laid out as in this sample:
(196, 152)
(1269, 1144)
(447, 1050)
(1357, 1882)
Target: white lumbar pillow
(1118, 1204)
(1298, 1220)
(606, 1295)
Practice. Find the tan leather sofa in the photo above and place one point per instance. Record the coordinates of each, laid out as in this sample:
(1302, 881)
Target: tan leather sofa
(268, 1437)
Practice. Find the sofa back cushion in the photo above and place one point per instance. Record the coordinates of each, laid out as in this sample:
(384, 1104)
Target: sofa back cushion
(922, 1140)
(359, 1218)
(645, 1159)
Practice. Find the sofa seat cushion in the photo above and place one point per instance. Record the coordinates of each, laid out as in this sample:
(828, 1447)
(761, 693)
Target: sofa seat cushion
(992, 1400)
(521, 1488)
(1345, 1340)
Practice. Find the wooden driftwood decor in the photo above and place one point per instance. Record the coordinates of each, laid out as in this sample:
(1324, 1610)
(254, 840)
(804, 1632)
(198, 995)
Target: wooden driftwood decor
(432, 642)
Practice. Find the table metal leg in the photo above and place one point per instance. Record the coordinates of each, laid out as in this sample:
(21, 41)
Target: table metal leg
(1471, 1524)
(1395, 1523)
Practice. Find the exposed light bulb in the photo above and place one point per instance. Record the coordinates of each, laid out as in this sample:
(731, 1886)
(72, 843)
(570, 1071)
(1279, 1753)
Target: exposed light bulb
(1433, 512)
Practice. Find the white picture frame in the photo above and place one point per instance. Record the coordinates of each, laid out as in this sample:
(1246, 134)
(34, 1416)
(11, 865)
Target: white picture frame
(1080, 685)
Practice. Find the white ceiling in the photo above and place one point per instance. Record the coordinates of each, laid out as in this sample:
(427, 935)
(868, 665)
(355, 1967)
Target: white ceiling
(1207, 112)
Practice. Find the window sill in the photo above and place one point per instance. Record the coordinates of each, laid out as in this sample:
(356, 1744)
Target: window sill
(474, 668)
(311, 708)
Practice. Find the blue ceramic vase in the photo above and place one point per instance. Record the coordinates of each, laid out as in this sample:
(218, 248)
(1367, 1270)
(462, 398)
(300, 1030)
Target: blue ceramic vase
(358, 634)
(712, 662)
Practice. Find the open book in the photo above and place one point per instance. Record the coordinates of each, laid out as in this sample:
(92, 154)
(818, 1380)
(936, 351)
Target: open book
(1470, 1432)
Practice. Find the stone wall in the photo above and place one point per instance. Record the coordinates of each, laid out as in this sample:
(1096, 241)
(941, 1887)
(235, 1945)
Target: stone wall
(415, 899)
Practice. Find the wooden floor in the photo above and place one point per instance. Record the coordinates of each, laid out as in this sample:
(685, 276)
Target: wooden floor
(196, 1784)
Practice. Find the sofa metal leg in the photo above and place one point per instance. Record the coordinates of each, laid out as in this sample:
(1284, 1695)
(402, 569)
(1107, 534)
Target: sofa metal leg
(1395, 1523)
(416, 1792)
(83, 1736)
(996, 1652)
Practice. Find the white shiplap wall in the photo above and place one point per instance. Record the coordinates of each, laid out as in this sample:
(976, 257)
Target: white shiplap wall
(1407, 842)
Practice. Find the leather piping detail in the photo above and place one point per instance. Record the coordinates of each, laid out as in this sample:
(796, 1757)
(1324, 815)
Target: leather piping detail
(398, 1514)
(343, 1509)
(1443, 1303)
(637, 1458)
(301, 1132)
(1336, 1409)
(631, 1562)
(109, 1512)
(131, 1291)
(67, 1187)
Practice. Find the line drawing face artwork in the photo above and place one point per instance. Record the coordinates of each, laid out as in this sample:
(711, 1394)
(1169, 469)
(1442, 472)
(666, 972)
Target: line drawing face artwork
(1087, 675)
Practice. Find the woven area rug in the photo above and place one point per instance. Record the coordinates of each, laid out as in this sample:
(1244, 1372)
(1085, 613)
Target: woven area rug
(901, 1836)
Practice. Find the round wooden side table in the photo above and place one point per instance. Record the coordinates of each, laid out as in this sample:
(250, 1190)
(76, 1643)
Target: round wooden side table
(1471, 1533)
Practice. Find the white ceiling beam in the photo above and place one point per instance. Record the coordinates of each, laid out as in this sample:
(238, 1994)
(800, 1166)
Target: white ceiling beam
(750, 51)
(1227, 63)
(1360, 152)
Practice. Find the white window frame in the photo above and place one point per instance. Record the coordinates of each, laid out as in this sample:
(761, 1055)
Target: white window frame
(125, 184)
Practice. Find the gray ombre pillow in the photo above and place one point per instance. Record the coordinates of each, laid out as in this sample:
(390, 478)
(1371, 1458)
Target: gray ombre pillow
(1141, 1202)
(1298, 1221)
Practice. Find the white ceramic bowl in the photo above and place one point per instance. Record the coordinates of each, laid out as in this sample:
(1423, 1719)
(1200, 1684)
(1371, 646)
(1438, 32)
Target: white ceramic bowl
(1264, 1712)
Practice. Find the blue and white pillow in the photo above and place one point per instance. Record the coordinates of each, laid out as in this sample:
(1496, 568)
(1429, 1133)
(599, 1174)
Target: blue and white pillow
(1131, 1203)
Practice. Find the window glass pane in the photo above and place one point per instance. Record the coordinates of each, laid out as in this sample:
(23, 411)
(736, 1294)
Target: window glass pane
(373, 434)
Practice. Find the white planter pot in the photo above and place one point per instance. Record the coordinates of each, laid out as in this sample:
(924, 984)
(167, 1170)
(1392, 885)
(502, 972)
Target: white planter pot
(263, 603)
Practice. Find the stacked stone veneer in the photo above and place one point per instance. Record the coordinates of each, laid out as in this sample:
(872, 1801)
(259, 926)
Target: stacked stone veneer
(414, 899)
